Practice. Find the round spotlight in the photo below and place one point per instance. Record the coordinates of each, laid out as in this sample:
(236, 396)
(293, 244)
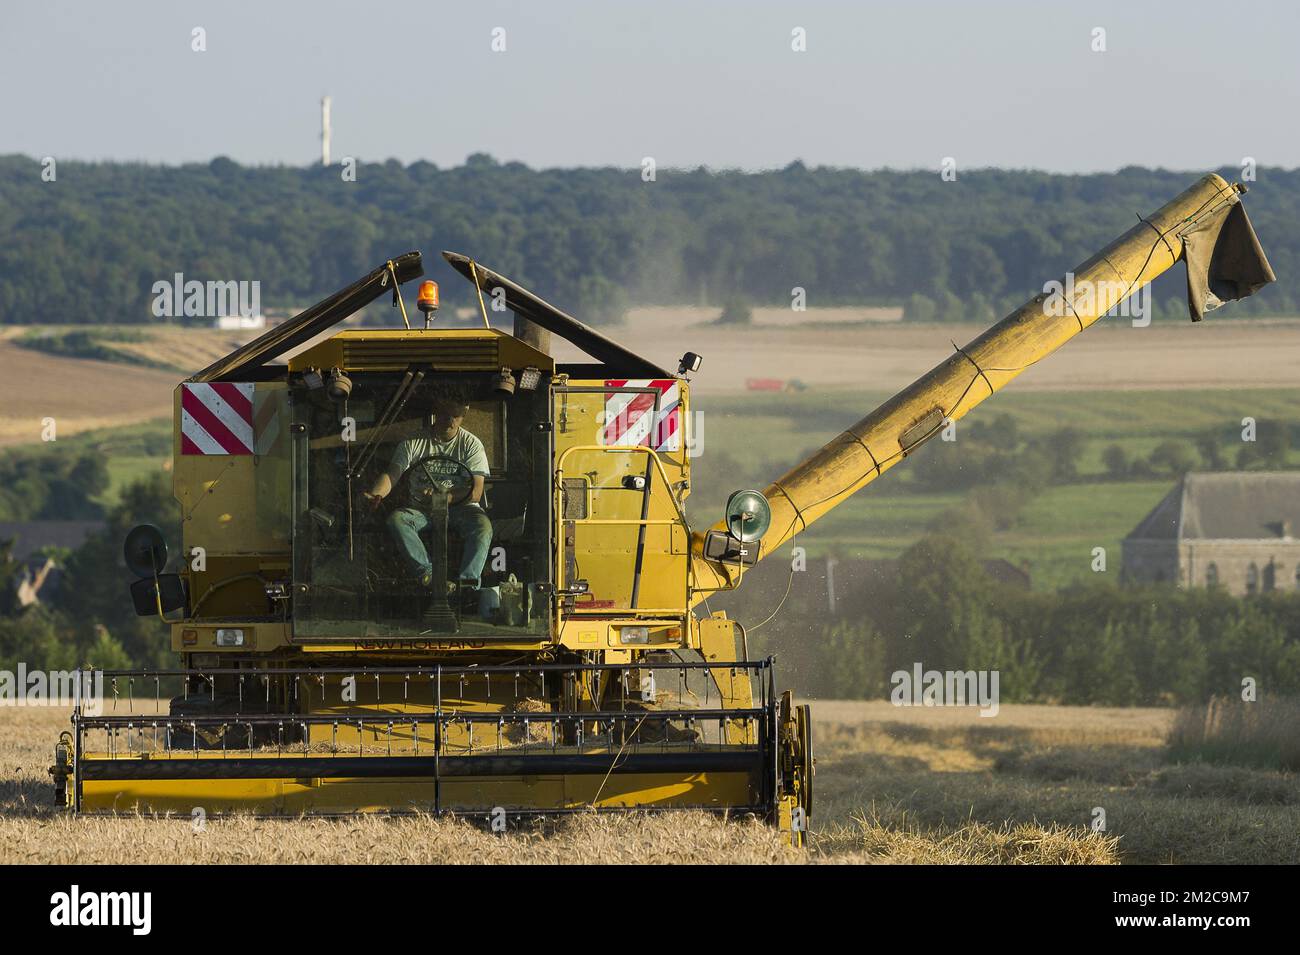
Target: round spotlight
(505, 382)
(748, 516)
(145, 550)
(338, 386)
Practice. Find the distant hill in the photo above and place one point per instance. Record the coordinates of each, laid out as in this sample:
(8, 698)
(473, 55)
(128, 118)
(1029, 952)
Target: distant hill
(89, 246)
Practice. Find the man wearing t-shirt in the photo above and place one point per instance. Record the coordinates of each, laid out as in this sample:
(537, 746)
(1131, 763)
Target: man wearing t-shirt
(448, 443)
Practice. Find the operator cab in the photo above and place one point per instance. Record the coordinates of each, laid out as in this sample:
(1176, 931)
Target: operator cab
(346, 473)
(421, 504)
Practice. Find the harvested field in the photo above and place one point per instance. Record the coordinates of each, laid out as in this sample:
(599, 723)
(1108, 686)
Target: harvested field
(914, 785)
(79, 394)
(84, 394)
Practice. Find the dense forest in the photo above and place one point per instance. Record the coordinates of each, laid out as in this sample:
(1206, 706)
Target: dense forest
(88, 246)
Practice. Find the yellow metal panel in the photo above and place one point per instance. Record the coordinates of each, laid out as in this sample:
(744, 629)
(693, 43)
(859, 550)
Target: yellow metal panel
(580, 420)
(720, 643)
(345, 795)
(235, 503)
(605, 543)
(416, 344)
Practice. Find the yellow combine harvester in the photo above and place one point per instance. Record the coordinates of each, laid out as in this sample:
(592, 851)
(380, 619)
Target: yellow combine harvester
(432, 569)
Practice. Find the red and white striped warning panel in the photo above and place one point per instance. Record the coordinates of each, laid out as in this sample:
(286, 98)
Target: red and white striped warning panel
(630, 418)
(217, 418)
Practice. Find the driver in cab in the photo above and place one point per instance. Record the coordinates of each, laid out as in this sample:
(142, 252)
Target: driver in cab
(450, 461)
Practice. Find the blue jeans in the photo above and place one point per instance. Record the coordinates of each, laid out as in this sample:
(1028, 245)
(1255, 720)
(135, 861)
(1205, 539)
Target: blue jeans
(469, 522)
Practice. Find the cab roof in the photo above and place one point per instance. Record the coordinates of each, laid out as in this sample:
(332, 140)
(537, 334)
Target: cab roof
(452, 349)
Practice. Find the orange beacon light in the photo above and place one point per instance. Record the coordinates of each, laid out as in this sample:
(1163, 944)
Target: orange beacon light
(427, 300)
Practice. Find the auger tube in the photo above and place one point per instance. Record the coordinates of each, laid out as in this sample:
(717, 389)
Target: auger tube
(1189, 227)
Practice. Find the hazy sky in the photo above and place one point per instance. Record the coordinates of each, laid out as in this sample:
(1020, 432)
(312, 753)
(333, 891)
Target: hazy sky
(1187, 85)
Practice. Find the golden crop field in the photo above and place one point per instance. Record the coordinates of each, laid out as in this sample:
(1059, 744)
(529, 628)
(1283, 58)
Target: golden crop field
(79, 394)
(893, 786)
(83, 394)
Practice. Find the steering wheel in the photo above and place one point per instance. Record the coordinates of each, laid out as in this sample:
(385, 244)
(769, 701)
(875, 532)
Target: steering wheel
(435, 475)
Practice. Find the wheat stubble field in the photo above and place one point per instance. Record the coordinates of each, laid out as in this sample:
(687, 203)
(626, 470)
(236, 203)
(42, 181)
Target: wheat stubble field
(893, 786)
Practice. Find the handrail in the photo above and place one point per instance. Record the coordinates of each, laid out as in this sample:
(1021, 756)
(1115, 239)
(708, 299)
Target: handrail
(629, 521)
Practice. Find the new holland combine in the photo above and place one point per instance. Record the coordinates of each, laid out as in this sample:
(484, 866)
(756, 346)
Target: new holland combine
(373, 612)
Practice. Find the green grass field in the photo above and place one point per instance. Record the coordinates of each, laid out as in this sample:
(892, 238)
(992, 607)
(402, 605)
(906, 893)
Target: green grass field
(760, 436)
(773, 429)
(130, 453)
(1055, 535)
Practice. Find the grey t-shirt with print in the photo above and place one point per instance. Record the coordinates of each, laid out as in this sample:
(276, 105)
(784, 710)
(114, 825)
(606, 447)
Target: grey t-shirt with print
(462, 446)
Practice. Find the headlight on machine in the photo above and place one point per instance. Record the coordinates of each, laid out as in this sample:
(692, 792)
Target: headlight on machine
(230, 638)
(634, 635)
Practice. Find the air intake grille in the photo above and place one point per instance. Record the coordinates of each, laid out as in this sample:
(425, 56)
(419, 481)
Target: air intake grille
(441, 355)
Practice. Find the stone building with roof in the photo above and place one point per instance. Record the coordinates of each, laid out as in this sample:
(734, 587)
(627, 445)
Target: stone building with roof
(1233, 529)
(36, 575)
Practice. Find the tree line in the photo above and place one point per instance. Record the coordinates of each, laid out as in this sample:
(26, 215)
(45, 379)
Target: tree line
(1098, 644)
(89, 246)
(937, 606)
